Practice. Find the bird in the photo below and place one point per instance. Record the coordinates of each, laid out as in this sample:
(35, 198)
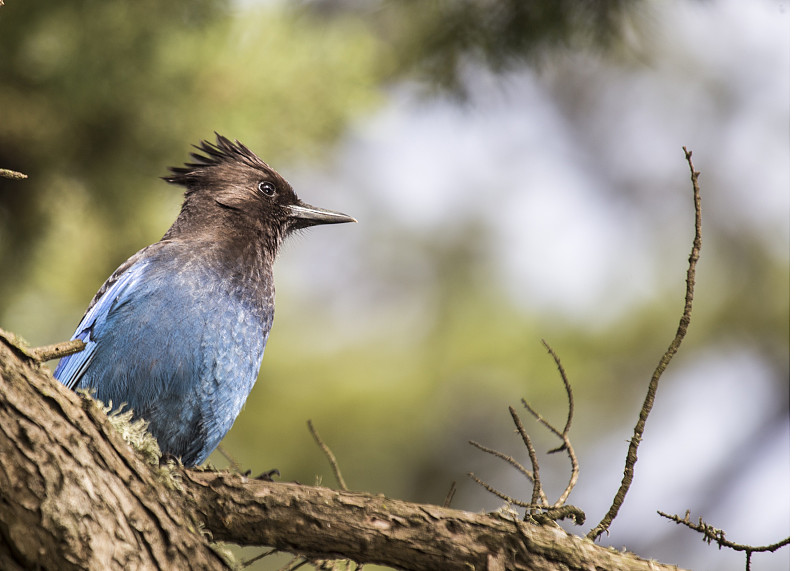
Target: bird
(177, 333)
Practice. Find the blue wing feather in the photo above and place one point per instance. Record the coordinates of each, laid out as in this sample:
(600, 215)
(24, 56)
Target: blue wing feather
(71, 368)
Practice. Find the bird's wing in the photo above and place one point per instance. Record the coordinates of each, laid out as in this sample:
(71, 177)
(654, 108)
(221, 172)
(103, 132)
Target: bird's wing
(114, 291)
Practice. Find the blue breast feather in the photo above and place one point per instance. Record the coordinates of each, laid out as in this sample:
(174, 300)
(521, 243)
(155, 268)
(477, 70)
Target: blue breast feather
(178, 343)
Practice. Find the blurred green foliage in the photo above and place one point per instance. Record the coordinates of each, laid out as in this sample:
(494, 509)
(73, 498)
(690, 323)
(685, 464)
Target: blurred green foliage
(95, 96)
(439, 41)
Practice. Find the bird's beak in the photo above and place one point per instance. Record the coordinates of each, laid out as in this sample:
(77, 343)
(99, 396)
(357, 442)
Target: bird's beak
(307, 215)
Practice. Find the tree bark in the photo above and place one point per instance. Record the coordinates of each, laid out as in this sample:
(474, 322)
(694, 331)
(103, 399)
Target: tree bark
(74, 495)
(374, 529)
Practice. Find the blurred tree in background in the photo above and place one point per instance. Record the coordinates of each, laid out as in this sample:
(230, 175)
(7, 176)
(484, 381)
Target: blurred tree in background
(439, 41)
(516, 170)
(97, 96)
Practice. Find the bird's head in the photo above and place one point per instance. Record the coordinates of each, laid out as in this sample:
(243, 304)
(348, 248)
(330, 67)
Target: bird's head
(227, 177)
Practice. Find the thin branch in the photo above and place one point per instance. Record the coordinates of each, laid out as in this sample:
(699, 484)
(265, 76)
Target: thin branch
(538, 497)
(6, 173)
(501, 495)
(566, 445)
(267, 553)
(522, 469)
(574, 471)
(561, 512)
(329, 455)
(291, 566)
(542, 420)
(537, 492)
(567, 387)
(449, 499)
(715, 535)
(57, 350)
(638, 431)
(231, 460)
(563, 435)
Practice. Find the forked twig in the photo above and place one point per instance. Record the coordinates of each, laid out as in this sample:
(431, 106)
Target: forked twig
(638, 431)
(538, 498)
(563, 435)
(713, 535)
(539, 502)
(329, 455)
(566, 445)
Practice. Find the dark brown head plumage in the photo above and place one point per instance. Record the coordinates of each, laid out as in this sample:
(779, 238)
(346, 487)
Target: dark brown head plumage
(230, 188)
(224, 153)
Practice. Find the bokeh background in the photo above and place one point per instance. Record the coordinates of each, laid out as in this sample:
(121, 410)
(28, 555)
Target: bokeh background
(517, 172)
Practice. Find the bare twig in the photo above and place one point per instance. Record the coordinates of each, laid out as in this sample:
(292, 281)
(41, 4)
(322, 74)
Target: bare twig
(547, 425)
(516, 465)
(500, 494)
(574, 471)
(292, 565)
(567, 386)
(562, 512)
(563, 435)
(713, 535)
(267, 553)
(234, 464)
(566, 445)
(537, 494)
(449, 499)
(538, 500)
(522, 469)
(57, 350)
(6, 173)
(638, 431)
(329, 455)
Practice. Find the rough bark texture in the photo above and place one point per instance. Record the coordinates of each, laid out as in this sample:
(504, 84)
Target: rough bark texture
(375, 529)
(74, 495)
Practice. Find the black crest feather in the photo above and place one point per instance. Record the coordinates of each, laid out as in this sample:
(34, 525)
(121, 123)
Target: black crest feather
(223, 152)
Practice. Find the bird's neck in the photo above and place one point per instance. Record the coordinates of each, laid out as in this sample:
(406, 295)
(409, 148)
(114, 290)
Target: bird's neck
(235, 241)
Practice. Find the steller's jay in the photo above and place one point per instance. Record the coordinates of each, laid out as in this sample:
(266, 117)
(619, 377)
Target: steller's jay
(178, 331)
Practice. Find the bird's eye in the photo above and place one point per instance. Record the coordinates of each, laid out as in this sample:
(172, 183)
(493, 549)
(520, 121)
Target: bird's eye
(266, 187)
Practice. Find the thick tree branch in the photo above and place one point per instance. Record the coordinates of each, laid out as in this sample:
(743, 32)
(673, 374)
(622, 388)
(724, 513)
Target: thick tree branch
(366, 528)
(74, 495)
